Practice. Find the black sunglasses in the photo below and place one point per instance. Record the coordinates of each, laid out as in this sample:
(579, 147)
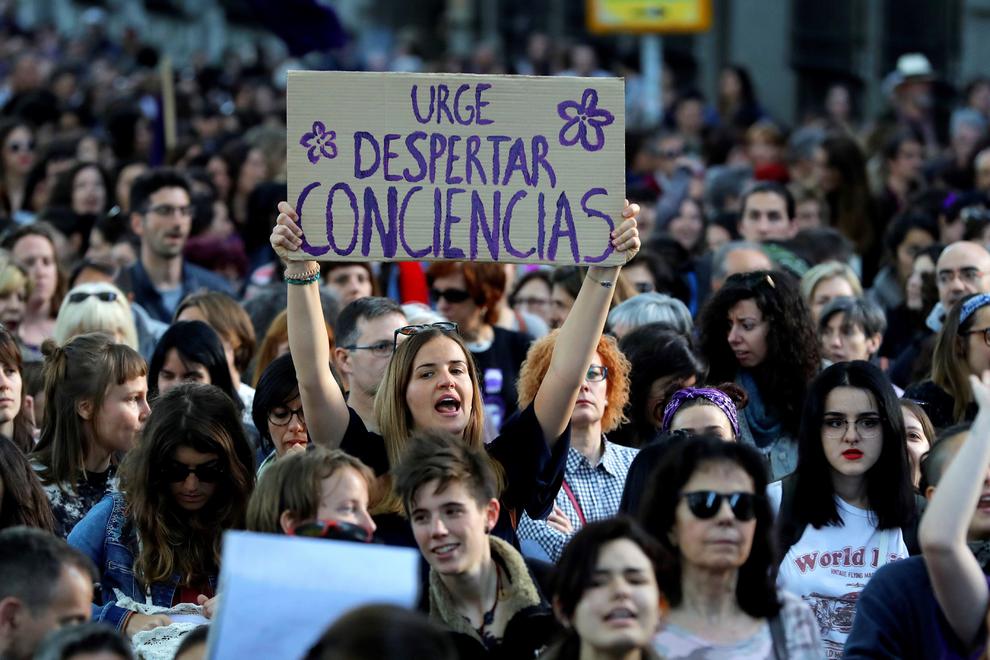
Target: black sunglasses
(450, 295)
(208, 473)
(410, 330)
(705, 504)
(332, 529)
(105, 296)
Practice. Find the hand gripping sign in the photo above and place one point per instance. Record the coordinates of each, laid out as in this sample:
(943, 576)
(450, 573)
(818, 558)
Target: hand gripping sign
(399, 167)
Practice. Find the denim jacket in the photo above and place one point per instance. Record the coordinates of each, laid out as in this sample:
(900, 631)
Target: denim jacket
(109, 538)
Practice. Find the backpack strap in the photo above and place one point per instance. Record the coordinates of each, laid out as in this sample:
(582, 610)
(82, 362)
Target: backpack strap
(778, 637)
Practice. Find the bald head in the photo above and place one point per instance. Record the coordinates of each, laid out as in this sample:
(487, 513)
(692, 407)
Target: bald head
(963, 269)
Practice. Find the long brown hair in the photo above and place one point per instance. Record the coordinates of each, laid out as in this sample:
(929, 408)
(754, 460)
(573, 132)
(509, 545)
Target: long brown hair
(82, 370)
(46, 231)
(950, 370)
(175, 541)
(10, 356)
(395, 418)
(23, 501)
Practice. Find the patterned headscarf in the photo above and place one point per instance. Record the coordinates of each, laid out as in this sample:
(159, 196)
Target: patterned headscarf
(973, 304)
(717, 398)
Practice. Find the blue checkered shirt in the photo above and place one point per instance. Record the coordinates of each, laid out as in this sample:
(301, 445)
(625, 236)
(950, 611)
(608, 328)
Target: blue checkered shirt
(597, 489)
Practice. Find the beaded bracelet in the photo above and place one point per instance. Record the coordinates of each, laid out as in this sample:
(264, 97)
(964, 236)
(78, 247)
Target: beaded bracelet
(605, 284)
(305, 278)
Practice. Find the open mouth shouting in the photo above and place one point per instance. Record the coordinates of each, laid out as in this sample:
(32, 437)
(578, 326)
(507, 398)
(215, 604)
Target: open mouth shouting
(448, 405)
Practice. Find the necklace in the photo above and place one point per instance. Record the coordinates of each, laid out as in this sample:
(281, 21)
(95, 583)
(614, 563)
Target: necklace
(488, 618)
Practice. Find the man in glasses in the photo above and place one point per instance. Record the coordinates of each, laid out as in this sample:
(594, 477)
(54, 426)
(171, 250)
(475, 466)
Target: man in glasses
(161, 215)
(365, 336)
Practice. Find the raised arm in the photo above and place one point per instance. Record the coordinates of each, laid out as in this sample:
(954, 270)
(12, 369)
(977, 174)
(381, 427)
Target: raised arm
(959, 584)
(326, 410)
(578, 337)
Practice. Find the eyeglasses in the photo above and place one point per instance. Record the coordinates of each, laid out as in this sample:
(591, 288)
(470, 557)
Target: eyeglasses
(105, 296)
(332, 529)
(985, 331)
(596, 373)
(281, 416)
(867, 428)
(208, 473)
(410, 330)
(705, 504)
(381, 349)
(450, 295)
(169, 210)
(969, 275)
(17, 147)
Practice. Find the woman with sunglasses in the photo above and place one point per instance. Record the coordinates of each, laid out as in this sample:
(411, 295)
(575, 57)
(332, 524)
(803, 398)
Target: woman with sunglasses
(595, 470)
(95, 405)
(33, 249)
(705, 505)
(96, 307)
(319, 493)
(962, 349)
(277, 411)
(17, 143)
(468, 294)
(157, 541)
(432, 384)
(849, 508)
(756, 332)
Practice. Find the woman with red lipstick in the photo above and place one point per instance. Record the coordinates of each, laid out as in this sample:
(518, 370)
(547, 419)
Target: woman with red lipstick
(756, 331)
(181, 488)
(706, 506)
(849, 508)
(432, 384)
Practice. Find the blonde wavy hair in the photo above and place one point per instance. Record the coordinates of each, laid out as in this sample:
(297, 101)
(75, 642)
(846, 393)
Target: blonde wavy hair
(537, 362)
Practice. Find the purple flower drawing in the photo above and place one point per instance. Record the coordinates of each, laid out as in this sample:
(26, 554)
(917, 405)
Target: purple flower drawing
(319, 142)
(584, 122)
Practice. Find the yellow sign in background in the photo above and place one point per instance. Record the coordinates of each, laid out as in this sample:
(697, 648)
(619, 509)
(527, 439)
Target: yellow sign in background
(660, 16)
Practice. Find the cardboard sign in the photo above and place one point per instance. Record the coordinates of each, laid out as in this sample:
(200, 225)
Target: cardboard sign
(399, 167)
(279, 593)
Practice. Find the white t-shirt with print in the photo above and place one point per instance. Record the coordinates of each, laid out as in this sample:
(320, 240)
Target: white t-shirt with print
(830, 566)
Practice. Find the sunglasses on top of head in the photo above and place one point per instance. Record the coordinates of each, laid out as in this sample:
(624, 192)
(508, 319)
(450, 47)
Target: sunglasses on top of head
(410, 330)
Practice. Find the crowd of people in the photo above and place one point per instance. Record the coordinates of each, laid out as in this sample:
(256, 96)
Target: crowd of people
(740, 444)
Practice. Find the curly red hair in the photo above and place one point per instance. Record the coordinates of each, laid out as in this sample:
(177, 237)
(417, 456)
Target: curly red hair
(537, 362)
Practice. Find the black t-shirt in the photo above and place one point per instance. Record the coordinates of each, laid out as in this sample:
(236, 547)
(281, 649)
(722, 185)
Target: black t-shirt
(533, 472)
(498, 371)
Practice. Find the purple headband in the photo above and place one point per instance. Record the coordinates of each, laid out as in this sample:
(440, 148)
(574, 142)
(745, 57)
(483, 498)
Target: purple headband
(718, 398)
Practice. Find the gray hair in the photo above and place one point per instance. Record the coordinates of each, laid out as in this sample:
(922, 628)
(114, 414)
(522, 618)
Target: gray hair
(857, 312)
(967, 116)
(368, 308)
(652, 307)
(722, 254)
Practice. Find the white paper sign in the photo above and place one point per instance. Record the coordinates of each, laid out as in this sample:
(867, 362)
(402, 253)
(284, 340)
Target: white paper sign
(432, 167)
(279, 593)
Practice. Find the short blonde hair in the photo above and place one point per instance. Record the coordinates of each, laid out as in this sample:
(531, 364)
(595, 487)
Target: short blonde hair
(537, 362)
(94, 315)
(13, 279)
(827, 271)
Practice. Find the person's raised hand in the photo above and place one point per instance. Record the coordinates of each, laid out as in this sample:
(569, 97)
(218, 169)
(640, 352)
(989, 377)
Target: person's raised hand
(625, 237)
(286, 235)
(140, 622)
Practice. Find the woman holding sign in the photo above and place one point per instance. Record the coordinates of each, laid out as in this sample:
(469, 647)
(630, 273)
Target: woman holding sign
(432, 385)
